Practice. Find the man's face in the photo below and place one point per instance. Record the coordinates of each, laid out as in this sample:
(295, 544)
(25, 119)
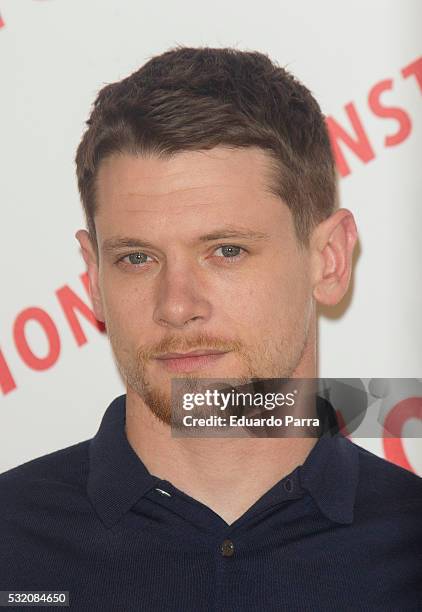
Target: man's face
(214, 264)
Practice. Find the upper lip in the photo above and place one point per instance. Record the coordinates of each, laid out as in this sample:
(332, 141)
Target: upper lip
(190, 354)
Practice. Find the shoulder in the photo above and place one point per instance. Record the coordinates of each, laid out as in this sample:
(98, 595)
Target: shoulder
(385, 485)
(44, 477)
(63, 462)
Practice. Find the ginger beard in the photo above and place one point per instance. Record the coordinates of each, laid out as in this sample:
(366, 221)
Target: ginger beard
(269, 359)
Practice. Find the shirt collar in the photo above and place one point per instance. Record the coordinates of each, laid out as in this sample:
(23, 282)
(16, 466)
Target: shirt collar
(330, 474)
(118, 478)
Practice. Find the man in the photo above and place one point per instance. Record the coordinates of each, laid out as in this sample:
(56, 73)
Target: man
(209, 190)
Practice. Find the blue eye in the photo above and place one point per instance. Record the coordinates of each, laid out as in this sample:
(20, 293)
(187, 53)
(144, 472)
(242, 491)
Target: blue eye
(135, 258)
(230, 251)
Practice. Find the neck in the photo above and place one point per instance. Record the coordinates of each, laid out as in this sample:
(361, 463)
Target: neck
(226, 474)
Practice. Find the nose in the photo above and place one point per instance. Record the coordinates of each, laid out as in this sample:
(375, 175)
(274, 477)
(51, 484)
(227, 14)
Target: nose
(181, 297)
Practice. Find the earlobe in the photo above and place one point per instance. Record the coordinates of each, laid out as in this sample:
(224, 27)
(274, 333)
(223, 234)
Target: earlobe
(333, 243)
(88, 254)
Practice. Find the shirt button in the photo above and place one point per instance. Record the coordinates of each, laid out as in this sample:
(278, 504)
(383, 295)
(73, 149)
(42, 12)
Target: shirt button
(227, 548)
(288, 485)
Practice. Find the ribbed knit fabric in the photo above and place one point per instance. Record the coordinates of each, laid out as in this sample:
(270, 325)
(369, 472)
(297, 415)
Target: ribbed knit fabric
(341, 532)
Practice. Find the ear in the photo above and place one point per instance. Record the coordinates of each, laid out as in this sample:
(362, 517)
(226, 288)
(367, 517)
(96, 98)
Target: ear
(90, 257)
(332, 244)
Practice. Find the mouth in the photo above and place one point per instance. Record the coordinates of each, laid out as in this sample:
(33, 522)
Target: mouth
(186, 362)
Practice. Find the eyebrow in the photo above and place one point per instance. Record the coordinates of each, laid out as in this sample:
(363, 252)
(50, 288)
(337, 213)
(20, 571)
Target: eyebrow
(119, 242)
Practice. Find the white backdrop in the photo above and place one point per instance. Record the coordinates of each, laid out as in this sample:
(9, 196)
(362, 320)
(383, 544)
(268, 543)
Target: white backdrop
(362, 61)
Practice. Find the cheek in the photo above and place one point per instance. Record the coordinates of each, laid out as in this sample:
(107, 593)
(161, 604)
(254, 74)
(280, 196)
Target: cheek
(125, 311)
(275, 301)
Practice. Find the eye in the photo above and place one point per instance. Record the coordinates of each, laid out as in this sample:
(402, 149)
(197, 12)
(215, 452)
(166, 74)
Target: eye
(230, 251)
(135, 259)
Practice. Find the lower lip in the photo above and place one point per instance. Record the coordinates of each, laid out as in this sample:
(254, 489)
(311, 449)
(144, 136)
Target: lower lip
(187, 364)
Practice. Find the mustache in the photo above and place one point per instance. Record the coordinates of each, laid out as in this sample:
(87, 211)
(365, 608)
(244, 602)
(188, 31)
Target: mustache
(184, 344)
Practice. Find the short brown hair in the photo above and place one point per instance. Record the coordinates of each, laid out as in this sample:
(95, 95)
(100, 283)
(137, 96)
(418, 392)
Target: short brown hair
(197, 98)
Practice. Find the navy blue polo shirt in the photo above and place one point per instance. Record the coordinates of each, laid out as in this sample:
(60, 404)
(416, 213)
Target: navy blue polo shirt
(343, 531)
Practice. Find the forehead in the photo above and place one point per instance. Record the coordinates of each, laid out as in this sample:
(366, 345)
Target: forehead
(194, 188)
(123, 174)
